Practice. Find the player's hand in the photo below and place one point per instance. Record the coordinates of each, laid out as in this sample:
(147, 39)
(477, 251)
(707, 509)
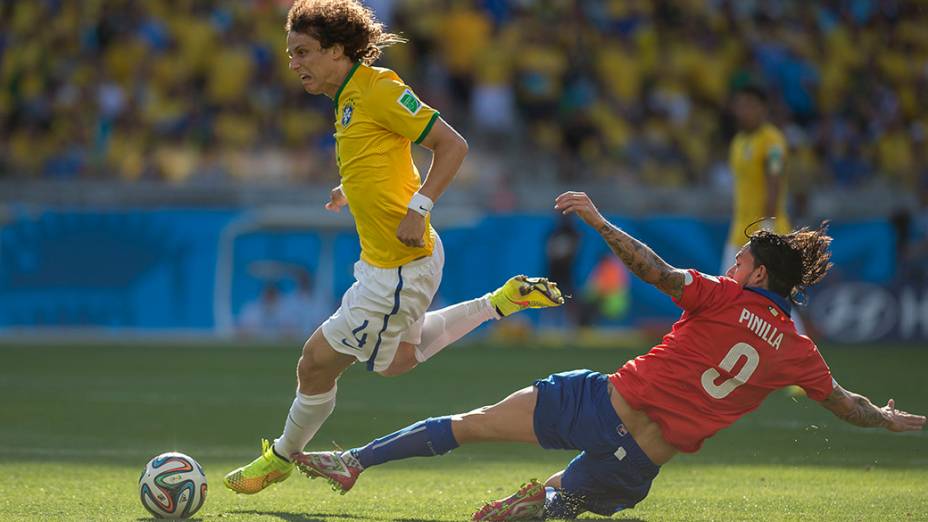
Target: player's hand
(411, 229)
(898, 420)
(580, 204)
(337, 200)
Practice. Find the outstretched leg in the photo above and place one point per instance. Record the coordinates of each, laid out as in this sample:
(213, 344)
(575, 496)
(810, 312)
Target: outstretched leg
(574, 411)
(509, 420)
(441, 328)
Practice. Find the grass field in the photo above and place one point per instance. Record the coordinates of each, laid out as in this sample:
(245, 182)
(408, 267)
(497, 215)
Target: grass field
(77, 424)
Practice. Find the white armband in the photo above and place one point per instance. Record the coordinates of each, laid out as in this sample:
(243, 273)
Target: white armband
(421, 204)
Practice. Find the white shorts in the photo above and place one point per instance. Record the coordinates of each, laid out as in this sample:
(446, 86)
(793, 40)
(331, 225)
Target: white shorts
(385, 306)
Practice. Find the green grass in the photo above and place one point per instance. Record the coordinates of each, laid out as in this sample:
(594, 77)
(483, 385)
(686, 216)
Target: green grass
(77, 424)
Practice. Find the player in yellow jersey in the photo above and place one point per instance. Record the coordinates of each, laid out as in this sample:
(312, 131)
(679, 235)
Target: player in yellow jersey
(758, 160)
(382, 320)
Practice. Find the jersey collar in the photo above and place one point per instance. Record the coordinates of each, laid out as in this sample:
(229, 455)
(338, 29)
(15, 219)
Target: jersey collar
(347, 79)
(778, 300)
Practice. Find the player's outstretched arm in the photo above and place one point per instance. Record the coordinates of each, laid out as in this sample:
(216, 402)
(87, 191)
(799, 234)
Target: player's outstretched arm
(859, 411)
(637, 256)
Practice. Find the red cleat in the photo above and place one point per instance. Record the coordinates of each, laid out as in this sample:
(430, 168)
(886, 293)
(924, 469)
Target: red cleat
(526, 504)
(340, 468)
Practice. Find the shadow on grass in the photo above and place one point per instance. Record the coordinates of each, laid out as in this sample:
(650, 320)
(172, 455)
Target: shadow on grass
(153, 519)
(322, 517)
(432, 520)
(297, 517)
(412, 520)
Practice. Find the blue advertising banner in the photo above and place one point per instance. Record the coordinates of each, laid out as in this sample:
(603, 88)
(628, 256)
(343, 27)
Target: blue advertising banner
(225, 271)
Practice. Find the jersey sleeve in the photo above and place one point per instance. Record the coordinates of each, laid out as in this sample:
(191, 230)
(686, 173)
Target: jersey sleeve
(813, 375)
(397, 108)
(701, 291)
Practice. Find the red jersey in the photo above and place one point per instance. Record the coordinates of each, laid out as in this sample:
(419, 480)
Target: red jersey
(731, 347)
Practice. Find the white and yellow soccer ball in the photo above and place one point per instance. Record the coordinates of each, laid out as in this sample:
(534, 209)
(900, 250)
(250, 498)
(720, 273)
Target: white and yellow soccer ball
(172, 485)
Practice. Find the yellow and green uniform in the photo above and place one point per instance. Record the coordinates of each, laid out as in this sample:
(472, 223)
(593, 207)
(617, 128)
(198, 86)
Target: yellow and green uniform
(752, 155)
(377, 117)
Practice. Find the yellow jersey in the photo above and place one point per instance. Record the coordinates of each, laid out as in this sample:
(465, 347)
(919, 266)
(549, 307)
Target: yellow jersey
(751, 155)
(377, 117)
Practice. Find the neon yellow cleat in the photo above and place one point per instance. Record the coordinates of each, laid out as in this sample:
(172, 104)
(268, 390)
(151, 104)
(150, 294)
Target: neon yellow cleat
(260, 473)
(522, 292)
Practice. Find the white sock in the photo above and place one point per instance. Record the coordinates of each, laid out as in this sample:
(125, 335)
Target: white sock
(307, 413)
(443, 327)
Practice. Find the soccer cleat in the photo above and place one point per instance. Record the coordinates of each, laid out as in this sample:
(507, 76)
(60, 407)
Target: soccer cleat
(522, 292)
(339, 468)
(526, 504)
(260, 473)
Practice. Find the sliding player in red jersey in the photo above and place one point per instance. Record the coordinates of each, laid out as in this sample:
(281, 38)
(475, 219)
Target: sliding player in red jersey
(734, 344)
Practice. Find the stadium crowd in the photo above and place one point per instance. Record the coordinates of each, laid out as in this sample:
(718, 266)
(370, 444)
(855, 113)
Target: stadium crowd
(195, 91)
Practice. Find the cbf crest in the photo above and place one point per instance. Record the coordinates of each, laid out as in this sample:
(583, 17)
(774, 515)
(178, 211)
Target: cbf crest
(347, 112)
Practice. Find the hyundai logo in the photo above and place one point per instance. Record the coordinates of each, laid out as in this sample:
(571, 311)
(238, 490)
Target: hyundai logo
(855, 312)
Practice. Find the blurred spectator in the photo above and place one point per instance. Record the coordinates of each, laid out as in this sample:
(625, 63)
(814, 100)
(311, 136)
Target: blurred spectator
(285, 315)
(606, 293)
(158, 90)
(493, 108)
(758, 160)
(464, 34)
(264, 316)
(560, 251)
(911, 228)
(304, 309)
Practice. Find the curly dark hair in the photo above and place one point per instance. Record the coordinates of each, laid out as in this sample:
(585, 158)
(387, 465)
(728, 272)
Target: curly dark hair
(344, 22)
(794, 261)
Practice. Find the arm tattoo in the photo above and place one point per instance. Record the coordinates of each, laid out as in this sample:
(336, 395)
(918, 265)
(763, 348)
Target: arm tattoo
(641, 260)
(865, 414)
(854, 409)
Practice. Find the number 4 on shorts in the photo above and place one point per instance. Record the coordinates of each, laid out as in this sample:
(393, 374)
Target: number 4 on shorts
(360, 340)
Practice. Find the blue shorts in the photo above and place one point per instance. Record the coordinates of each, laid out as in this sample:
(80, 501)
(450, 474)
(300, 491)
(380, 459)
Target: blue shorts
(574, 412)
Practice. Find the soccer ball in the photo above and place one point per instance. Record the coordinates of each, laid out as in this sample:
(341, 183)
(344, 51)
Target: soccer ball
(172, 485)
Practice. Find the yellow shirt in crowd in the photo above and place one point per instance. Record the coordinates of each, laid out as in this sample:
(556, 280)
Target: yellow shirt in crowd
(377, 117)
(751, 154)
